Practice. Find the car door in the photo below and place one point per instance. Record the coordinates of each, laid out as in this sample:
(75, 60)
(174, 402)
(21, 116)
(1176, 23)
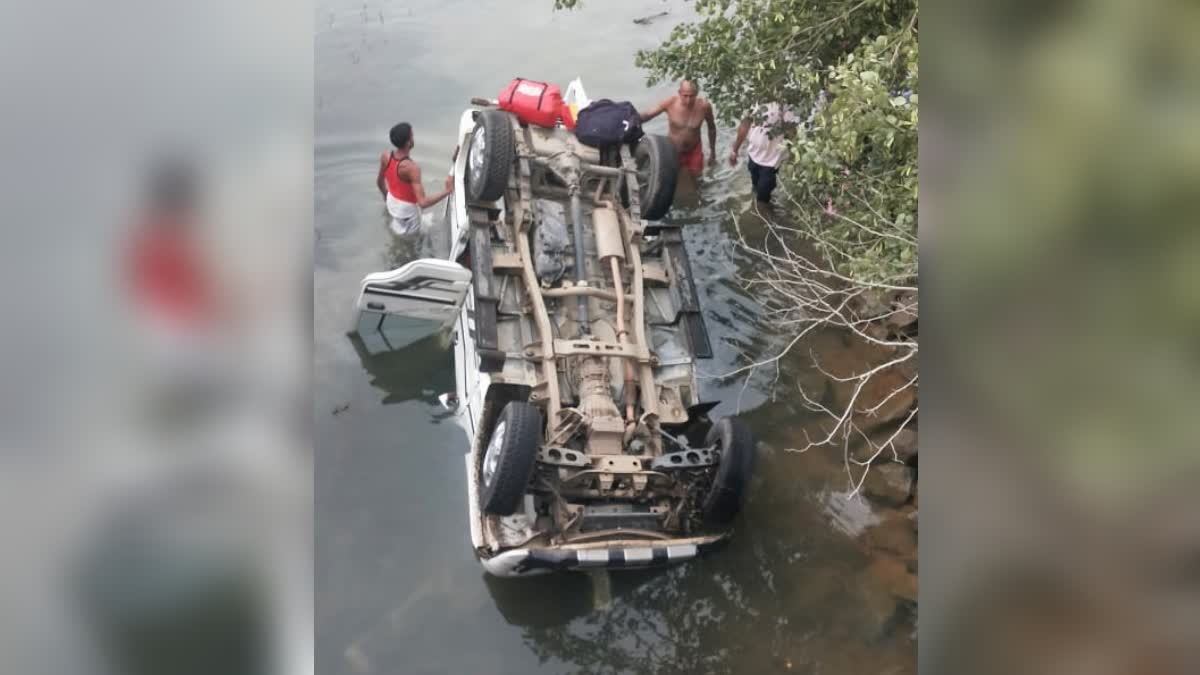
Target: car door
(402, 306)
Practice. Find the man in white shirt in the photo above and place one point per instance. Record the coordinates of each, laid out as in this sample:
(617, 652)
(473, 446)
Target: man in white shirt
(765, 148)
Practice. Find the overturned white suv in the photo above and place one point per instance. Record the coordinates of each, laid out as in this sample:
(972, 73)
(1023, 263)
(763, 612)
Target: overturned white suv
(576, 327)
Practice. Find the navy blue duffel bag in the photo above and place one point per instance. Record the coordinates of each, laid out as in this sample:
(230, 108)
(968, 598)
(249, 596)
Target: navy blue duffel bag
(606, 123)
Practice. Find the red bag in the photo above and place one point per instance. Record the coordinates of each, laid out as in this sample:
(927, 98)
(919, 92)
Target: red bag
(533, 102)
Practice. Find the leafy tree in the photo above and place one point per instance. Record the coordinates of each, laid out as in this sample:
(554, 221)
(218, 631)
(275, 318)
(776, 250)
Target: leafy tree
(852, 178)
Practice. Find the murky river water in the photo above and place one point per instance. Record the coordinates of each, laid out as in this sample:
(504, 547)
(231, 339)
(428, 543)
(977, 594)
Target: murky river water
(397, 587)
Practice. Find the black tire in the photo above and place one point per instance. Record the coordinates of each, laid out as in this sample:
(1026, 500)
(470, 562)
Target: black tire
(518, 432)
(658, 171)
(489, 161)
(736, 447)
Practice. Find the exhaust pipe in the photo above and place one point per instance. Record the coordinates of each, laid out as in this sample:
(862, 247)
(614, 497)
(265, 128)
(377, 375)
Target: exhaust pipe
(585, 327)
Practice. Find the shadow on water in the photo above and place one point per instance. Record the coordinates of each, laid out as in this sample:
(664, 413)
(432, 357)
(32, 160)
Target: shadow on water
(421, 371)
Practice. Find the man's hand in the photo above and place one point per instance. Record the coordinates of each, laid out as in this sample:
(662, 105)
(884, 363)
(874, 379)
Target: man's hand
(742, 132)
(449, 183)
(657, 110)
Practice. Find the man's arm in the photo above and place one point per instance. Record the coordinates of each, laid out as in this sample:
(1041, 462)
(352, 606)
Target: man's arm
(379, 182)
(655, 111)
(424, 202)
(742, 132)
(712, 134)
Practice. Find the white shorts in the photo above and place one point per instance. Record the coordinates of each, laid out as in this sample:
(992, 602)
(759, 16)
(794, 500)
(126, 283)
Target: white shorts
(406, 217)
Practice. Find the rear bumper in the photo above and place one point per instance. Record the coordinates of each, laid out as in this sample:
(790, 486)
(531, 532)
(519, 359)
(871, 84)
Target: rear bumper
(531, 561)
(519, 562)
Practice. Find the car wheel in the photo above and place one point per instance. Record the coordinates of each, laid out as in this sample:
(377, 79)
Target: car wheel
(490, 157)
(509, 458)
(735, 445)
(658, 171)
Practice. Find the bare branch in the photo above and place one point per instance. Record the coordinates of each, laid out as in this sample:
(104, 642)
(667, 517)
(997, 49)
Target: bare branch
(801, 291)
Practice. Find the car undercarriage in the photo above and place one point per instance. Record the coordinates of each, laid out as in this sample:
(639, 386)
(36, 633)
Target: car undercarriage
(602, 316)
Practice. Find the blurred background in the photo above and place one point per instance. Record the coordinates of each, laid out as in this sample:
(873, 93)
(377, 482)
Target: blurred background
(156, 461)
(1060, 154)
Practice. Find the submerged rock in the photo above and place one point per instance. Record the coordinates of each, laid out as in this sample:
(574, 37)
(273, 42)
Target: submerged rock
(886, 593)
(896, 535)
(878, 613)
(889, 574)
(892, 392)
(889, 484)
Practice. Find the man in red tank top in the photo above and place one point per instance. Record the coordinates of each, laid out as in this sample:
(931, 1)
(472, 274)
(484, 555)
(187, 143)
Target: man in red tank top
(181, 317)
(399, 182)
(170, 283)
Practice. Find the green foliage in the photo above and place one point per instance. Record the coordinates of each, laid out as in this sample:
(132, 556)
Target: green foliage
(853, 171)
(858, 161)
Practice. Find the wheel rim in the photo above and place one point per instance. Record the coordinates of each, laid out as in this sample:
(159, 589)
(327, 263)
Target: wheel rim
(475, 159)
(491, 458)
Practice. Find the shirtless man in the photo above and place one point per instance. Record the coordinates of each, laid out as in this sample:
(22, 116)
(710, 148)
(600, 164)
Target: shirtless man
(686, 111)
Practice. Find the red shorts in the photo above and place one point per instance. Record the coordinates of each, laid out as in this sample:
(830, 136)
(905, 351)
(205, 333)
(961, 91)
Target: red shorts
(693, 160)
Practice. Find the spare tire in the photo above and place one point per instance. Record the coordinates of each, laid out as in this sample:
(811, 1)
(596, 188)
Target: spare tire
(490, 156)
(735, 446)
(509, 458)
(658, 170)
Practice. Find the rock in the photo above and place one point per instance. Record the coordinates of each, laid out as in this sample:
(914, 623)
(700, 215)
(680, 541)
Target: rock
(889, 484)
(896, 309)
(873, 303)
(885, 590)
(900, 320)
(896, 535)
(891, 575)
(892, 390)
(904, 445)
(863, 452)
(876, 611)
(904, 316)
(877, 331)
